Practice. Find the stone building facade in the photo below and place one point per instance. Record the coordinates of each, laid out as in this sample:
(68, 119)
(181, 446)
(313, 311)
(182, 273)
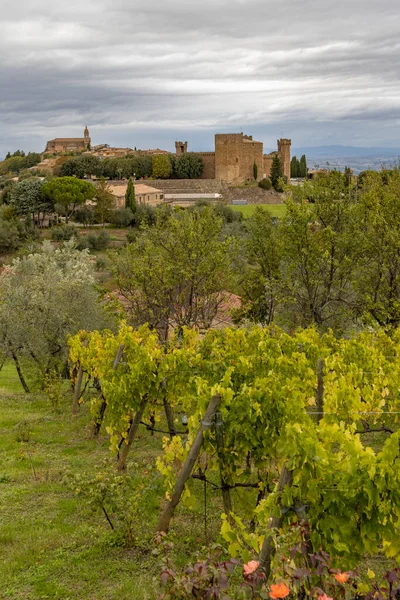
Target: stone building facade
(144, 194)
(60, 145)
(235, 155)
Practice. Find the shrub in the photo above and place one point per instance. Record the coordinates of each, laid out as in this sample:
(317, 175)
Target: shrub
(145, 215)
(101, 263)
(83, 243)
(100, 241)
(131, 236)
(63, 233)
(121, 217)
(265, 183)
(10, 238)
(84, 215)
(227, 213)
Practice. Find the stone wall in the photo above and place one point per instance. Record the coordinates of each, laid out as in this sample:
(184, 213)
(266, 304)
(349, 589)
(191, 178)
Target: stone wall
(250, 152)
(267, 161)
(209, 164)
(181, 186)
(227, 156)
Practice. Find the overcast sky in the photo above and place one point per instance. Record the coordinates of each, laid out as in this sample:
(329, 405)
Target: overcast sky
(147, 73)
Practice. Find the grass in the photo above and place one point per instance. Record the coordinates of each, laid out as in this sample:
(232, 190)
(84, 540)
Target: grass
(247, 210)
(52, 545)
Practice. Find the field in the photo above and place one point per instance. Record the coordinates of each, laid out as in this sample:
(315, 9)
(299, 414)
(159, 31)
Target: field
(52, 545)
(276, 210)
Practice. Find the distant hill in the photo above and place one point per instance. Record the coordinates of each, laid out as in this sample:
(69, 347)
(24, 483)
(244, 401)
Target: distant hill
(358, 158)
(346, 151)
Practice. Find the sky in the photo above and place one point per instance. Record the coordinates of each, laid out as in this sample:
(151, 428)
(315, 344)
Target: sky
(146, 74)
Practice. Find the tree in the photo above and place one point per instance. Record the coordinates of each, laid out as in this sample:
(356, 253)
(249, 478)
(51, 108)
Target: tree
(71, 167)
(321, 253)
(44, 298)
(255, 171)
(295, 169)
(348, 176)
(32, 159)
(109, 167)
(260, 282)
(176, 273)
(28, 199)
(378, 281)
(303, 166)
(68, 192)
(189, 166)
(130, 200)
(161, 166)
(276, 173)
(104, 201)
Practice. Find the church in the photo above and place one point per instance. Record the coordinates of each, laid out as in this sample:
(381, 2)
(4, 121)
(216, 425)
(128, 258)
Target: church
(59, 145)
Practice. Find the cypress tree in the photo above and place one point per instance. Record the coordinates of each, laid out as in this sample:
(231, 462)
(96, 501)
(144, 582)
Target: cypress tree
(276, 173)
(130, 200)
(303, 166)
(255, 171)
(294, 167)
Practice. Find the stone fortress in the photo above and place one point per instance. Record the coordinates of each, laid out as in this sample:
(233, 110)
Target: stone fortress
(235, 155)
(232, 161)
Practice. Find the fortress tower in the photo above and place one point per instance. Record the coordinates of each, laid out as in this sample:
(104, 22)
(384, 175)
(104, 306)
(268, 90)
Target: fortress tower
(180, 148)
(284, 155)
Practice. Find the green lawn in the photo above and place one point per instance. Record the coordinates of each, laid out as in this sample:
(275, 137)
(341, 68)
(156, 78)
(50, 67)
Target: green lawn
(276, 210)
(52, 545)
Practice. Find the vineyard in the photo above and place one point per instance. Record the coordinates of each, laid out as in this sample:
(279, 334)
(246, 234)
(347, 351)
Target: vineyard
(221, 420)
(302, 428)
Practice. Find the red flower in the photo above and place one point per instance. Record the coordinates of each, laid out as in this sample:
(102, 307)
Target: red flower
(341, 577)
(279, 591)
(251, 567)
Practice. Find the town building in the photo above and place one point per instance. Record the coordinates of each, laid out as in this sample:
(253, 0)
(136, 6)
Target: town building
(144, 194)
(60, 145)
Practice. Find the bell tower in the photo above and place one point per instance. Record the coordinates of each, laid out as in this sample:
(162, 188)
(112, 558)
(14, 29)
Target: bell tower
(86, 137)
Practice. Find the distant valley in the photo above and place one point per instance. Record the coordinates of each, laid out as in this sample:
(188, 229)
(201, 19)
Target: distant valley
(356, 157)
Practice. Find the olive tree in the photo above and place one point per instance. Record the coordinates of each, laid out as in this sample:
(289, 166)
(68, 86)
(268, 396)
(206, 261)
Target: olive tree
(28, 199)
(44, 298)
(177, 273)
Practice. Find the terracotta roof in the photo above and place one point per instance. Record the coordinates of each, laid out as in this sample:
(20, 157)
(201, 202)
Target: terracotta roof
(140, 188)
(67, 140)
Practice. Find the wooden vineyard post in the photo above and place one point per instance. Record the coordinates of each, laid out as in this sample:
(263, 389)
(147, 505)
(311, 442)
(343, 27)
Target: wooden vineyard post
(126, 445)
(103, 406)
(320, 390)
(274, 522)
(186, 471)
(219, 435)
(78, 385)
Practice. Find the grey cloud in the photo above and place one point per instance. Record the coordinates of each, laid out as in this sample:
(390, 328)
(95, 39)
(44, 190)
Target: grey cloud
(140, 72)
